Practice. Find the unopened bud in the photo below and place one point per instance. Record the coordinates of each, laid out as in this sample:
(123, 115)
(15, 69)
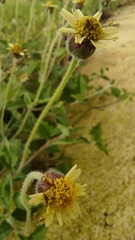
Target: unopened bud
(80, 51)
(47, 180)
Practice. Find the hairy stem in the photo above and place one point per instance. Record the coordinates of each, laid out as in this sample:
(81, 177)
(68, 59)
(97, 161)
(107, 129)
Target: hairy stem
(23, 197)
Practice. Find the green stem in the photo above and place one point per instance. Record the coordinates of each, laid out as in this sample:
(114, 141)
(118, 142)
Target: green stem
(30, 19)
(12, 222)
(46, 110)
(6, 95)
(46, 67)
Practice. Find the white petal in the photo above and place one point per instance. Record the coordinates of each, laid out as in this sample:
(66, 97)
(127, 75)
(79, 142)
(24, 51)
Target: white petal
(67, 30)
(77, 14)
(99, 44)
(59, 217)
(68, 16)
(97, 16)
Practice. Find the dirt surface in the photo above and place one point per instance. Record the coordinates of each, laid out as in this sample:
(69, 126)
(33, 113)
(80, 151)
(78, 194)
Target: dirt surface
(108, 209)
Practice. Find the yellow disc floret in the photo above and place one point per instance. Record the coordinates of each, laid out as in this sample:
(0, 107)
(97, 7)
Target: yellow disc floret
(89, 28)
(61, 194)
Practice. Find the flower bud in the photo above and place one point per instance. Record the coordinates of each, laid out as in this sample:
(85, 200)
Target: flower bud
(80, 51)
(47, 180)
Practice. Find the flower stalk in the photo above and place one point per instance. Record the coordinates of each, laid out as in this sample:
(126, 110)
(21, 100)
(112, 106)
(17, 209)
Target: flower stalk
(23, 197)
(46, 110)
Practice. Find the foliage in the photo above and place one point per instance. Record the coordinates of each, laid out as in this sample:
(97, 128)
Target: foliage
(26, 86)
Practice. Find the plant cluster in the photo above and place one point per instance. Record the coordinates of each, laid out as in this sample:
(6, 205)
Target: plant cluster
(37, 82)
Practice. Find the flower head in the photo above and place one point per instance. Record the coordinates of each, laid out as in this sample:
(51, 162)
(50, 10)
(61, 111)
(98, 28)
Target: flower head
(87, 28)
(17, 50)
(60, 194)
(49, 6)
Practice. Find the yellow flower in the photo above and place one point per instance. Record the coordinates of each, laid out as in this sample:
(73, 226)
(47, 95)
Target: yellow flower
(60, 196)
(49, 6)
(88, 28)
(17, 50)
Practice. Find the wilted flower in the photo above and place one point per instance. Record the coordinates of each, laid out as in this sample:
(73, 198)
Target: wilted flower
(60, 194)
(49, 6)
(87, 28)
(17, 50)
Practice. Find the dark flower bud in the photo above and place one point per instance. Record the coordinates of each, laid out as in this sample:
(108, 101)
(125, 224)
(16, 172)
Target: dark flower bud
(80, 51)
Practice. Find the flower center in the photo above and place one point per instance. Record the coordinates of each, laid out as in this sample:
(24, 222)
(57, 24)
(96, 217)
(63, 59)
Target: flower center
(89, 28)
(17, 48)
(61, 194)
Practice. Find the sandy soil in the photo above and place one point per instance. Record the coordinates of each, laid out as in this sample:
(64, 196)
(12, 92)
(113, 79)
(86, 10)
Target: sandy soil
(108, 209)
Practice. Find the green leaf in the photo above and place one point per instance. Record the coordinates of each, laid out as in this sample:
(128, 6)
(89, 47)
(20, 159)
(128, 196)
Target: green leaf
(96, 135)
(44, 130)
(102, 147)
(125, 95)
(19, 214)
(8, 155)
(46, 92)
(29, 68)
(115, 92)
(27, 99)
(5, 229)
(64, 130)
(7, 192)
(105, 78)
(81, 85)
(39, 233)
(96, 132)
(53, 149)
